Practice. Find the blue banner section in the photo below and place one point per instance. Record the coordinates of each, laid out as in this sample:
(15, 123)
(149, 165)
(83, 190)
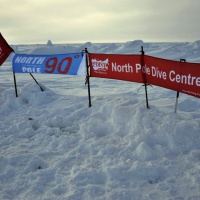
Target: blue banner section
(72, 64)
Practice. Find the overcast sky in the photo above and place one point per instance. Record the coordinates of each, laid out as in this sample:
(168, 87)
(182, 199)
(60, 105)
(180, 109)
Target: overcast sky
(75, 21)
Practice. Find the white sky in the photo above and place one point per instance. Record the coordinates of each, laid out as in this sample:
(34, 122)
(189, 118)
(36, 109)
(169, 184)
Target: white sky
(74, 21)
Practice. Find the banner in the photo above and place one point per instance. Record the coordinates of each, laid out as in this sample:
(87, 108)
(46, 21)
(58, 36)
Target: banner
(5, 50)
(175, 75)
(72, 64)
(115, 66)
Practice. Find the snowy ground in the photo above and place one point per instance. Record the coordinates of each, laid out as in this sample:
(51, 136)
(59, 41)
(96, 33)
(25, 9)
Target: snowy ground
(53, 147)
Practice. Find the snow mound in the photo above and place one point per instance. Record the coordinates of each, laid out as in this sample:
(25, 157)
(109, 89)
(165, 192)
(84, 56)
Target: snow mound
(144, 152)
(31, 94)
(134, 44)
(49, 43)
(195, 45)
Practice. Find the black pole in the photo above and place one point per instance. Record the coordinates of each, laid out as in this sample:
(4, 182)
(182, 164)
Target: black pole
(177, 93)
(88, 77)
(36, 81)
(15, 83)
(176, 103)
(144, 76)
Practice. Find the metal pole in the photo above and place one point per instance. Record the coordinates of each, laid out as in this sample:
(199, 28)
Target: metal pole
(177, 94)
(144, 76)
(36, 81)
(88, 77)
(15, 84)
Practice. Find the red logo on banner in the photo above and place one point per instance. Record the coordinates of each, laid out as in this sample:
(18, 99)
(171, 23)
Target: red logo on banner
(100, 66)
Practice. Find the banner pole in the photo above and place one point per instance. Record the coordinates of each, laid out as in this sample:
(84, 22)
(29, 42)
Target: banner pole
(36, 81)
(176, 103)
(144, 76)
(15, 83)
(177, 93)
(88, 77)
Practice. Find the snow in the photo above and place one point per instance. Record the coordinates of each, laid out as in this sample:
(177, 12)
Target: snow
(54, 147)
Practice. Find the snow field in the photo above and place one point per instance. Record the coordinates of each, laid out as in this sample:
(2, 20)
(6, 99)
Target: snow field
(103, 150)
(54, 147)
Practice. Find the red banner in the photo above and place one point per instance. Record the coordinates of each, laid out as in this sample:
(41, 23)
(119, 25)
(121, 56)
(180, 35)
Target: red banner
(179, 76)
(113, 66)
(5, 50)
